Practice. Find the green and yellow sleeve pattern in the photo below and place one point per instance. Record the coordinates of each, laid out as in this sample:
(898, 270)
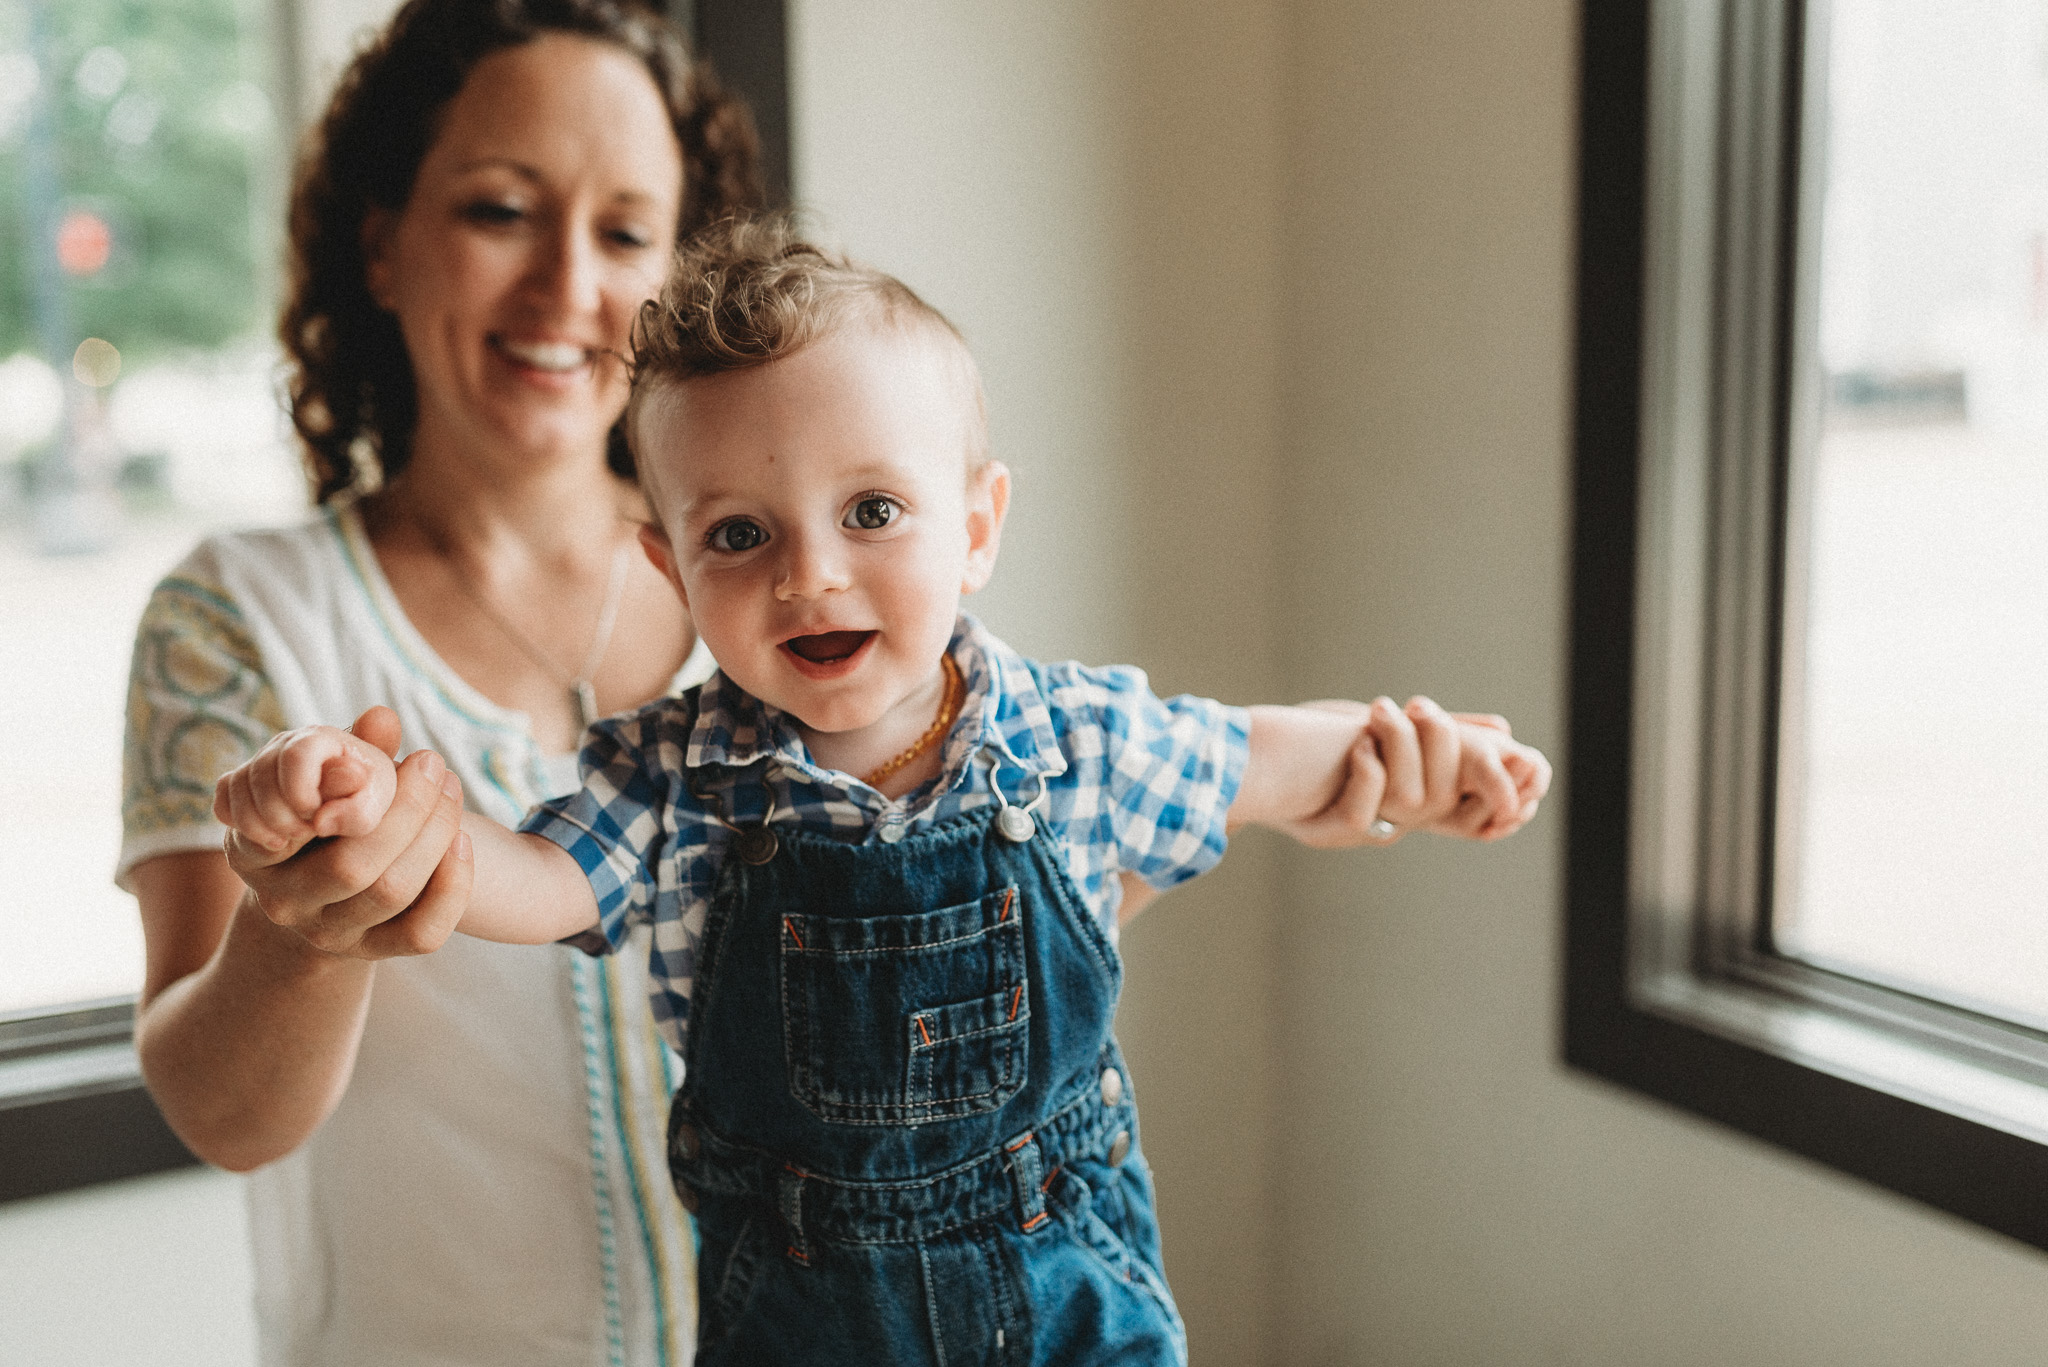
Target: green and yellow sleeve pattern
(199, 703)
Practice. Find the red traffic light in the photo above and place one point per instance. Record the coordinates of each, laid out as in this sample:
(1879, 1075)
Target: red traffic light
(84, 242)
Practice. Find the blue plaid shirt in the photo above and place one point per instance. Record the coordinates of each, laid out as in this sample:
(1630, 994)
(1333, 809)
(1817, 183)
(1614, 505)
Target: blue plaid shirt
(1132, 784)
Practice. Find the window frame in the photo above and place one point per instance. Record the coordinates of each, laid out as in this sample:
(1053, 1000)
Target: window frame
(1696, 217)
(73, 1108)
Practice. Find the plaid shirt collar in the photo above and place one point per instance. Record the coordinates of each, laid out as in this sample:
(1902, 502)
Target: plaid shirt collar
(1003, 711)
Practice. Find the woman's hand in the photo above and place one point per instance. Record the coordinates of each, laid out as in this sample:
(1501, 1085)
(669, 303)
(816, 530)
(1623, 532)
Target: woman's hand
(358, 857)
(1420, 768)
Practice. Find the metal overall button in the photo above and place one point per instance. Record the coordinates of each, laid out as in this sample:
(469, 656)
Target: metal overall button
(1112, 1086)
(1119, 1148)
(1014, 824)
(756, 844)
(891, 828)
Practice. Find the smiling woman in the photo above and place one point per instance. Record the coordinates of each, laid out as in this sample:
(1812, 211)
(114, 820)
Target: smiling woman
(491, 196)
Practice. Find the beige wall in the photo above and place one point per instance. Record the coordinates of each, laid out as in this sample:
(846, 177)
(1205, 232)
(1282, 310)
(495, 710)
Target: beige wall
(1273, 300)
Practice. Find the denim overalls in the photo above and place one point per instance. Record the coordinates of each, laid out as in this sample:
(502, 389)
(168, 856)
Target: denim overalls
(905, 1124)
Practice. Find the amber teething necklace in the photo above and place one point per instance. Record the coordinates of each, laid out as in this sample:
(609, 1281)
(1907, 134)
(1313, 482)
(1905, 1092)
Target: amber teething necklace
(956, 693)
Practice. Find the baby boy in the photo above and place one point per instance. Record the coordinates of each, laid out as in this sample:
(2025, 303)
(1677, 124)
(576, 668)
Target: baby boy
(882, 854)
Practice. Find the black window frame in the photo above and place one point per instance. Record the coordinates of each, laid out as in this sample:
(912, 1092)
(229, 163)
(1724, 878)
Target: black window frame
(1727, 1043)
(73, 1108)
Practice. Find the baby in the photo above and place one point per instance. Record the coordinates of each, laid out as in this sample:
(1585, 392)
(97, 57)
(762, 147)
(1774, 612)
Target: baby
(882, 854)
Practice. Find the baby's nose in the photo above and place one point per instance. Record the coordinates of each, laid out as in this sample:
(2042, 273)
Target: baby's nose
(811, 566)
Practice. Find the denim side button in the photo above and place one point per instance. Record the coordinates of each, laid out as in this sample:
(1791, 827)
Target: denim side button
(1119, 1148)
(1112, 1086)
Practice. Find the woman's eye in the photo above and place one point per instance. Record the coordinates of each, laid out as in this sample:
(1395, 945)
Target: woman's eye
(630, 238)
(491, 212)
(871, 514)
(733, 537)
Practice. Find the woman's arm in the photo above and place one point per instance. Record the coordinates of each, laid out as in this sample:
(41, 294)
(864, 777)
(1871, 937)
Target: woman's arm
(254, 995)
(247, 1034)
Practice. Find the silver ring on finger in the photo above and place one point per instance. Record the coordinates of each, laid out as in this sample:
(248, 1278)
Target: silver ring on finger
(1382, 829)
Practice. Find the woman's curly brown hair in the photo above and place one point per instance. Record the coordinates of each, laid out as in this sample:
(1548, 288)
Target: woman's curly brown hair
(350, 379)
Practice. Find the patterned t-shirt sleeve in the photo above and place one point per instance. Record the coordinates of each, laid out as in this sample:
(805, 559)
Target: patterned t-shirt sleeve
(614, 825)
(199, 703)
(1170, 769)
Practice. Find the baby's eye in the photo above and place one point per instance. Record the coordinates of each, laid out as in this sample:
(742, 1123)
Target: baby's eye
(736, 536)
(871, 514)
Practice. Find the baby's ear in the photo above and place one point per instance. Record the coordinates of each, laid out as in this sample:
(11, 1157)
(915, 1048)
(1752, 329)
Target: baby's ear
(988, 500)
(661, 553)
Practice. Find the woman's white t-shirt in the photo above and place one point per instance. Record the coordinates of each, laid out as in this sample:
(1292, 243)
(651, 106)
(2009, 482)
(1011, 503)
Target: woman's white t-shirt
(492, 1187)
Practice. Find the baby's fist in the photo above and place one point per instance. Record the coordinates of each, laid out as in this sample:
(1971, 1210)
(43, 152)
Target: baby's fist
(307, 784)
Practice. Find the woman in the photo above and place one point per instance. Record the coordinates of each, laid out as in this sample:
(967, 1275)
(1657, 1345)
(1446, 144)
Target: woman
(456, 1146)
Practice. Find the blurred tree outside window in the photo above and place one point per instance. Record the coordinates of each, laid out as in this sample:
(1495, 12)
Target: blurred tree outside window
(142, 180)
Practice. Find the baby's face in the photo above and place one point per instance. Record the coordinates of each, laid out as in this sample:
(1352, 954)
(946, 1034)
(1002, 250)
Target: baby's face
(820, 521)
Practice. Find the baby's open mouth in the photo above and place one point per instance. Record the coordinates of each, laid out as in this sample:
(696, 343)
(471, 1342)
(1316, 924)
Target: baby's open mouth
(827, 647)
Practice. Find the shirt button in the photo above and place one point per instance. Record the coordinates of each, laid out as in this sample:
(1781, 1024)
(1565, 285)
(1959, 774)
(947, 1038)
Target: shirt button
(1119, 1148)
(686, 1142)
(1112, 1086)
(891, 829)
(686, 1196)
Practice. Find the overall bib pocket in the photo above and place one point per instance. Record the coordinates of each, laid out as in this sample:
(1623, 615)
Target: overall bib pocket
(905, 1019)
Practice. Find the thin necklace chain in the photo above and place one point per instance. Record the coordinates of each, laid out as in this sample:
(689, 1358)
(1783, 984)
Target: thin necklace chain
(581, 691)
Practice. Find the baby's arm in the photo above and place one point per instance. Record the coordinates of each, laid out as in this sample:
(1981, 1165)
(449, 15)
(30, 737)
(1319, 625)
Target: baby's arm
(1300, 758)
(528, 890)
(320, 781)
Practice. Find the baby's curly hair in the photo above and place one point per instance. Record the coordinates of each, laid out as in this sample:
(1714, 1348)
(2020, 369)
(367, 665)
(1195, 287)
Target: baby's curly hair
(749, 289)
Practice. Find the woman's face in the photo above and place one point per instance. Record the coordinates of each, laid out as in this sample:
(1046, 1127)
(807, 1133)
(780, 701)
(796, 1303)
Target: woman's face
(542, 216)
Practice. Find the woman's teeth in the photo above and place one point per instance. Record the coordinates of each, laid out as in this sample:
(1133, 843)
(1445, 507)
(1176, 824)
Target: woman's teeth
(556, 356)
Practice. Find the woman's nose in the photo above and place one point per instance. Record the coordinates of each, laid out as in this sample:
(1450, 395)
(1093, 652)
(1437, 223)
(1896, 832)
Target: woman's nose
(811, 565)
(566, 272)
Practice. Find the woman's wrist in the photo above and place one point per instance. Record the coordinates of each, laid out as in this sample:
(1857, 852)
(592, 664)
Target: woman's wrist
(284, 949)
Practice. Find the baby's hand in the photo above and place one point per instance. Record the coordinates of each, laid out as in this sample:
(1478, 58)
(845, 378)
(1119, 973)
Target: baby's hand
(303, 785)
(1500, 780)
(1420, 768)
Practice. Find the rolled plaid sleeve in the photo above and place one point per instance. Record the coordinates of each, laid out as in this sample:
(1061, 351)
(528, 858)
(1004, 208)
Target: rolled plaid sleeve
(1170, 769)
(614, 825)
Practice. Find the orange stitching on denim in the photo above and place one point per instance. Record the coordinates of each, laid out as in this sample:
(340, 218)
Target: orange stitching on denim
(790, 926)
(1016, 1000)
(1046, 1185)
(922, 1031)
(799, 1255)
(1009, 896)
(1035, 1221)
(1018, 1144)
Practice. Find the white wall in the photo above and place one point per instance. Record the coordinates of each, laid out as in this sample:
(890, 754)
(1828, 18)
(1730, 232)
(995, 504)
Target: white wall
(149, 1271)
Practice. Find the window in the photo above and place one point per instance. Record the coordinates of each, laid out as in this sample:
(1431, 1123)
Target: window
(144, 162)
(1810, 637)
